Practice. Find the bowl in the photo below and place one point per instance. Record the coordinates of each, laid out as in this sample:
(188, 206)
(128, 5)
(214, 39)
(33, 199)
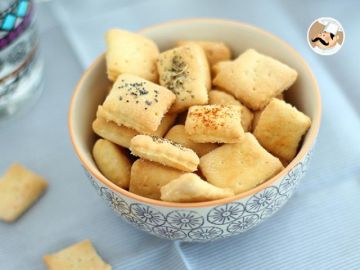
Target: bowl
(204, 221)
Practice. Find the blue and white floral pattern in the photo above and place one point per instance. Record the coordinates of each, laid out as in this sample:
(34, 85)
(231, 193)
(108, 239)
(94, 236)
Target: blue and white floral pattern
(205, 233)
(147, 214)
(243, 224)
(225, 214)
(207, 223)
(169, 233)
(262, 200)
(182, 219)
(114, 201)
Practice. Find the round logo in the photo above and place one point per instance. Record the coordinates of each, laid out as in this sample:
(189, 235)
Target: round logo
(326, 36)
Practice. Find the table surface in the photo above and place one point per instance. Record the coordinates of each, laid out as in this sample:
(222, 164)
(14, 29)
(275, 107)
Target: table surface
(318, 229)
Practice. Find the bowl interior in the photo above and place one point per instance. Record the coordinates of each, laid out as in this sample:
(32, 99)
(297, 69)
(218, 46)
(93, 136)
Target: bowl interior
(93, 86)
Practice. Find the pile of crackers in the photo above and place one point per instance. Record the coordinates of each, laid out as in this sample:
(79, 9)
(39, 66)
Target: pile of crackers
(203, 126)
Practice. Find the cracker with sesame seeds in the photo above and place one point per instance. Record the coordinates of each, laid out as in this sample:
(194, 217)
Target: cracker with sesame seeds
(130, 53)
(148, 177)
(190, 187)
(222, 98)
(80, 256)
(177, 134)
(241, 166)
(19, 189)
(280, 128)
(122, 135)
(254, 79)
(136, 103)
(113, 162)
(165, 152)
(185, 71)
(215, 51)
(214, 124)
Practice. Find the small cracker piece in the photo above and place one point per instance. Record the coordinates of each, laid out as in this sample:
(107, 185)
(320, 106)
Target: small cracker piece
(280, 128)
(136, 103)
(165, 152)
(177, 134)
(191, 188)
(19, 189)
(214, 124)
(254, 79)
(216, 68)
(215, 51)
(240, 166)
(148, 177)
(113, 162)
(110, 131)
(80, 256)
(185, 71)
(217, 97)
(122, 135)
(130, 53)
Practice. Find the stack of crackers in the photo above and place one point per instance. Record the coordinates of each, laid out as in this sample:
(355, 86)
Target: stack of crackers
(203, 126)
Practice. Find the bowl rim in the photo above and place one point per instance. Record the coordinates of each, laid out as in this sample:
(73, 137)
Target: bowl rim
(306, 147)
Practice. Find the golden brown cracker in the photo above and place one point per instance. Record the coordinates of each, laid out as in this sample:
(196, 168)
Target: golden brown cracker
(113, 162)
(130, 53)
(165, 152)
(19, 189)
(280, 128)
(240, 166)
(254, 79)
(80, 256)
(191, 188)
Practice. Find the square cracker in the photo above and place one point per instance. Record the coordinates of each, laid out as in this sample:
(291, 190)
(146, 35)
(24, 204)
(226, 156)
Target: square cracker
(136, 103)
(165, 152)
(214, 124)
(280, 128)
(122, 135)
(185, 71)
(80, 256)
(190, 187)
(177, 134)
(217, 97)
(19, 189)
(254, 79)
(148, 177)
(130, 53)
(215, 51)
(240, 166)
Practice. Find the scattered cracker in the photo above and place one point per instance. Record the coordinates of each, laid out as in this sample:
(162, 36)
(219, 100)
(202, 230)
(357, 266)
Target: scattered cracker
(19, 189)
(165, 152)
(130, 53)
(80, 256)
(191, 188)
(240, 166)
(214, 124)
(254, 79)
(280, 128)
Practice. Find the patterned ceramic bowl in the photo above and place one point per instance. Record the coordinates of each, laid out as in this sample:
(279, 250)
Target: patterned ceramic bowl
(207, 220)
